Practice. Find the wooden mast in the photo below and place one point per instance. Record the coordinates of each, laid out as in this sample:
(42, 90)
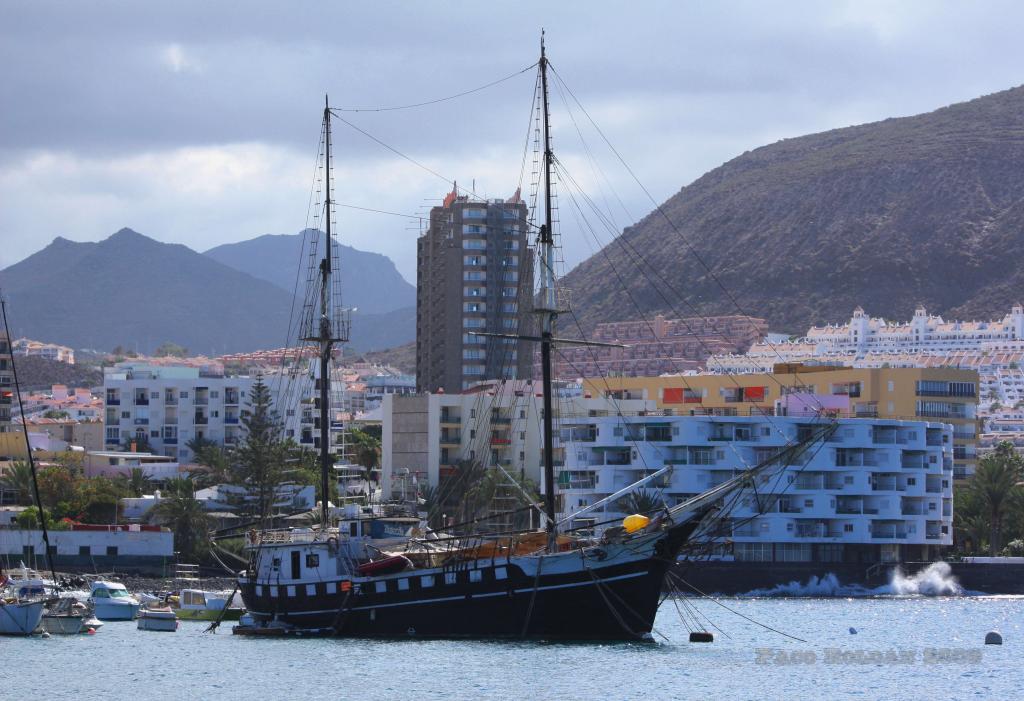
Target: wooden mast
(548, 310)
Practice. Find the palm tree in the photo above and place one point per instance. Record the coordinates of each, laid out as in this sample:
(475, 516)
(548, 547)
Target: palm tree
(996, 482)
(18, 478)
(430, 496)
(641, 501)
(184, 515)
(138, 481)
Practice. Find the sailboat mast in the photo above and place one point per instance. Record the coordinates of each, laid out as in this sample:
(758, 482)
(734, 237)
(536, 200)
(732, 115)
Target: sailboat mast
(326, 337)
(28, 446)
(548, 312)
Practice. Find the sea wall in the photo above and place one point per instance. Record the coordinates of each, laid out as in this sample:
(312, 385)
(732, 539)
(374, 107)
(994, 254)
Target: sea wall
(150, 552)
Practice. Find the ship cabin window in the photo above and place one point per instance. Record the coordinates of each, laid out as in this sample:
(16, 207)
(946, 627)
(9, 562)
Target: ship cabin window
(403, 585)
(100, 594)
(275, 563)
(296, 570)
(426, 581)
(312, 561)
(111, 551)
(310, 590)
(449, 578)
(500, 573)
(332, 587)
(475, 575)
(382, 587)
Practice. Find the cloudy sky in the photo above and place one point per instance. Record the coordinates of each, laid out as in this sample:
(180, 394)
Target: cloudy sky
(197, 122)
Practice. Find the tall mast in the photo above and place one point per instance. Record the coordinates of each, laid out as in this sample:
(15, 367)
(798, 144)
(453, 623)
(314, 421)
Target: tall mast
(548, 311)
(28, 445)
(326, 340)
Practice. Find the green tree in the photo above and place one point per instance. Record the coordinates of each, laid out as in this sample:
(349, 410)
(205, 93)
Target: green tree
(96, 499)
(214, 462)
(137, 482)
(260, 461)
(170, 349)
(180, 511)
(996, 483)
(55, 414)
(18, 478)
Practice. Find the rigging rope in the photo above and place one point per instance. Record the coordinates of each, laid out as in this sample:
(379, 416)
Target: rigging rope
(437, 100)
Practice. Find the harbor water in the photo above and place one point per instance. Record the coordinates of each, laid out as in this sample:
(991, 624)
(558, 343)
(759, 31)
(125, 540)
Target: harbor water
(868, 647)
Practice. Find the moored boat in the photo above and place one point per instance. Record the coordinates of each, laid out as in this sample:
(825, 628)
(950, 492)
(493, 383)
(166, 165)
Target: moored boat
(20, 617)
(162, 620)
(200, 605)
(112, 602)
(526, 584)
(69, 616)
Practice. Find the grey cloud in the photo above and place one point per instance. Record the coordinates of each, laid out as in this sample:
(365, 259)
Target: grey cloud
(701, 82)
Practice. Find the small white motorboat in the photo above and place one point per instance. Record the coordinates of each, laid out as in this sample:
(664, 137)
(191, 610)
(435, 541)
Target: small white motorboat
(112, 602)
(158, 619)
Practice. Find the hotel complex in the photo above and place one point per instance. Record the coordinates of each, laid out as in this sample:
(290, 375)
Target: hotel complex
(921, 394)
(875, 491)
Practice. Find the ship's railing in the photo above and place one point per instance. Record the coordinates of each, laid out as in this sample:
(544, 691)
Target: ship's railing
(290, 535)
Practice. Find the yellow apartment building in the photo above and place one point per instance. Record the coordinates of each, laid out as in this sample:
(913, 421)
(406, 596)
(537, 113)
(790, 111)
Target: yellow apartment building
(948, 395)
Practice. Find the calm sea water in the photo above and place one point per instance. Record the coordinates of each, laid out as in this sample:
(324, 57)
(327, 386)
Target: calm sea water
(940, 638)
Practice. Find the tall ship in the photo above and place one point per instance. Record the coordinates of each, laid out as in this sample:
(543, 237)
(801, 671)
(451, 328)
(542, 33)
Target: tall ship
(534, 584)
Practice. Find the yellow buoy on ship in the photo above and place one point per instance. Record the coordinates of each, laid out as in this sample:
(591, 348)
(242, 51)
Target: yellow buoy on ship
(634, 523)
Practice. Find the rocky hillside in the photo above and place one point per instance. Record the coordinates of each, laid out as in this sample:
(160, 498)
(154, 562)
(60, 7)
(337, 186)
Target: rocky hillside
(926, 209)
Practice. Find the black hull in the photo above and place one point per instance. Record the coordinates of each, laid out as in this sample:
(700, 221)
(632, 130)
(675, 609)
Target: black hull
(583, 599)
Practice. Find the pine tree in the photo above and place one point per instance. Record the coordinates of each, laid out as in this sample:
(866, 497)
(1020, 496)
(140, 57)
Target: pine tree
(259, 462)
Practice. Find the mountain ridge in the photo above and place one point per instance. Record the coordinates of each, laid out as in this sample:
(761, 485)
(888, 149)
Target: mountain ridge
(883, 215)
(369, 281)
(130, 289)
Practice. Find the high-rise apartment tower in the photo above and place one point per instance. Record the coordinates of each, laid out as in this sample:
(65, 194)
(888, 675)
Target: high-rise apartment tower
(474, 274)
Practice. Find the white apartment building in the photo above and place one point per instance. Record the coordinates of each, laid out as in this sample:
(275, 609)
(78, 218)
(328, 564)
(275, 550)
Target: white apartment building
(877, 491)
(171, 405)
(50, 351)
(923, 333)
(424, 436)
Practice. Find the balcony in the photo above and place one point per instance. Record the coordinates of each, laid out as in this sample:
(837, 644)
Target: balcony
(201, 419)
(202, 401)
(231, 397)
(141, 401)
(142, 422)
(887, 533)
(173, 440)
(113, 401)
(231, 419)
(848, 510)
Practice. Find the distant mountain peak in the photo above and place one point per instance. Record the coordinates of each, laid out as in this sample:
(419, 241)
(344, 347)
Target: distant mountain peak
(126, 234)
